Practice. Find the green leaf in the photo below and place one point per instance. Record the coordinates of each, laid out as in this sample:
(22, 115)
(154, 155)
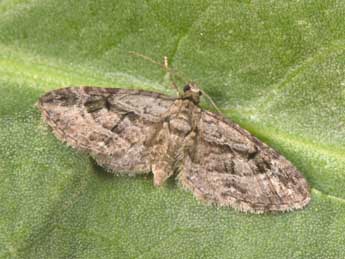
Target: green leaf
(275, 67)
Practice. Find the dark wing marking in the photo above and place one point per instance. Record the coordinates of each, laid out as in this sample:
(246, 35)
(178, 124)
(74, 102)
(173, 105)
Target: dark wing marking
(229, 167)
(110, 124)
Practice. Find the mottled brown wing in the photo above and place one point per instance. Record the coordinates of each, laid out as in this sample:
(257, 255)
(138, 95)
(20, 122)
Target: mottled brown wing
(110, 124)
(229, 167)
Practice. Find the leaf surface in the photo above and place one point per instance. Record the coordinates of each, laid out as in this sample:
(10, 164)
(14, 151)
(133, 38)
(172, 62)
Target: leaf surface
(276, 68)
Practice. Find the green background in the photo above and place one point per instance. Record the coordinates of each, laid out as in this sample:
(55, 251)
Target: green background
(275, 67)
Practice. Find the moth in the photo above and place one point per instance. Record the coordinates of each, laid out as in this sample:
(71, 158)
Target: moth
(135, 132)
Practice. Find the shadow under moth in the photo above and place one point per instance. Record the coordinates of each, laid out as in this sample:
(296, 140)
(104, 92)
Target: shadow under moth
(137, 132)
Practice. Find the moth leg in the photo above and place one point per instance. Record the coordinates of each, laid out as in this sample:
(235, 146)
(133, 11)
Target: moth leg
(176, 88)
(166, 67)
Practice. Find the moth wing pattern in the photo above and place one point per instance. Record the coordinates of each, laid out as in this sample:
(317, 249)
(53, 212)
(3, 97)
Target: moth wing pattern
(130, 131)
(227, 166)
(110, 124)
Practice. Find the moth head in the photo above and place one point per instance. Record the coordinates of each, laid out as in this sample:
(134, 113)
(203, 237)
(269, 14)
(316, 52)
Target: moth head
(192, 91)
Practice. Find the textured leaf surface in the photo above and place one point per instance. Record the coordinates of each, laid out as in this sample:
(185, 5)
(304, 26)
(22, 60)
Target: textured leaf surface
(276, 68)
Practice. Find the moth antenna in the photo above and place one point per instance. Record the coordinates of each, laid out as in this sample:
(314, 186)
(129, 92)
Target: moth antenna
(166, 62)
(146, 58)
(172, 72)
(164, 66)
(211, 101)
